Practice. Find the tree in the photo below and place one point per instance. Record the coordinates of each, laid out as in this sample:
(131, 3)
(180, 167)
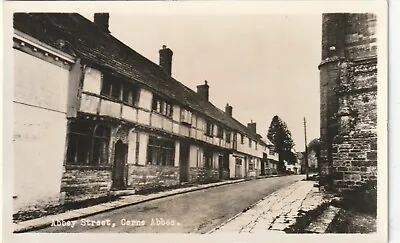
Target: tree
(314, 145)
(281, 137)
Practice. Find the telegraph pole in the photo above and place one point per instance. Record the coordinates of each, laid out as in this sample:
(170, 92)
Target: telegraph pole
(305, 146)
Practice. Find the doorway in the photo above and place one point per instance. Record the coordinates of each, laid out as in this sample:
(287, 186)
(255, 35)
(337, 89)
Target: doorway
(238, 168)
(184, 152)
(221, 167)
(262, 167)
(120, 157)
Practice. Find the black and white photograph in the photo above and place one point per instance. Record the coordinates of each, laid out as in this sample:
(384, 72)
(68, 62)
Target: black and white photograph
(244, 122)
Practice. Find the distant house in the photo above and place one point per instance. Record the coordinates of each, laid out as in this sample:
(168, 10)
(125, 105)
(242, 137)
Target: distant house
(93, 116)
(294, 168)
(271, 157)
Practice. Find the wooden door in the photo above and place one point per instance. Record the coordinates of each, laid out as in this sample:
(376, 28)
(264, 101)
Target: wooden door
(221, 167)
(120, 156)
(184, 152)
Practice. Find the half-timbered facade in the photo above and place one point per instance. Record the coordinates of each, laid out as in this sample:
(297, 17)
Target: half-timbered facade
(123, 122)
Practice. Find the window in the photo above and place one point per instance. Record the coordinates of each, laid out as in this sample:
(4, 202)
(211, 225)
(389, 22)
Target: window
(209, 129)
(87, 143)
(195, 121)
(256, 145)
(250, 142)
(251, 165)
(118, 90)
(160, 151)
(198, 159)
(130, 94)
(111, 87)
(220, 132)
(228, 137)
(186, 116)
(208, 159)
(106, 86)
(162, 106)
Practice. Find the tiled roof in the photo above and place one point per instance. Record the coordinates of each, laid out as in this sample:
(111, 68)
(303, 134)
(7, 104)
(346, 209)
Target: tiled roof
(102, 49)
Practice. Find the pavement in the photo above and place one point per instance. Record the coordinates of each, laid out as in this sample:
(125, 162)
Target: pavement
(278, 211)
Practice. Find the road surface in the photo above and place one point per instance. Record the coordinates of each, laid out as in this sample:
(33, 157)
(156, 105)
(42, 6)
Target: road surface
(193, 212)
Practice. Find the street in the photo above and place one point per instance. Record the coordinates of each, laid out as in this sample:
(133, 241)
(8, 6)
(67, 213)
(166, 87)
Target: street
(194, 212)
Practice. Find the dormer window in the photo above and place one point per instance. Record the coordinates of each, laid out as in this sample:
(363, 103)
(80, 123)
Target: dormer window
(250, 142)
(241, 138)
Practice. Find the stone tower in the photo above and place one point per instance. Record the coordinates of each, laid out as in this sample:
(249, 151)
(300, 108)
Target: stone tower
(348, 92)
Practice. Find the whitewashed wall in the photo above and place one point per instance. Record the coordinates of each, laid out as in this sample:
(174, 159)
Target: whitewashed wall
(143, 115)
(40, 96)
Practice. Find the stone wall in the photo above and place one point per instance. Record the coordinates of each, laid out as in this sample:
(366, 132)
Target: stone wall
(152, 177)
(354, 161)
(225, 174)
(348, 76)
(85, 183)
(203, 175)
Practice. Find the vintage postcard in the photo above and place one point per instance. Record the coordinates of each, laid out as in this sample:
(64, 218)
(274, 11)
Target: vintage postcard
(232, 121)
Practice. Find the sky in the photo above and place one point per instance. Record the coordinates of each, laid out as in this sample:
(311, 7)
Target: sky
(261, 64)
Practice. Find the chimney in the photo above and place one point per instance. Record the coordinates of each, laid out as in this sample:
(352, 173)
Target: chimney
(252, 126)
(228, 109)
(101, 20)
(202, 90)
(166, 59)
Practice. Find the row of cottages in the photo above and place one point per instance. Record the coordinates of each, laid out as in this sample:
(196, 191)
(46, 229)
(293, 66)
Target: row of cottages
(92, 116)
